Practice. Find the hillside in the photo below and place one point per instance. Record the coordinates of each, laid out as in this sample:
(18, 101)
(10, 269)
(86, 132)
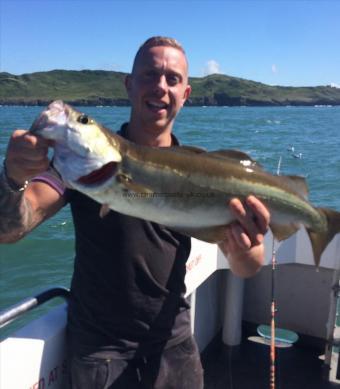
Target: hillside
(99, 87)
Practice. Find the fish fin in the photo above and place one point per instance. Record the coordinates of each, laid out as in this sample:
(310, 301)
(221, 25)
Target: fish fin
(234, 155)
(231, 155)
(320, 240)
(189, 149)
(104, 210)
(210, 235)
(297, 184)
(132, 186)
(282, 232)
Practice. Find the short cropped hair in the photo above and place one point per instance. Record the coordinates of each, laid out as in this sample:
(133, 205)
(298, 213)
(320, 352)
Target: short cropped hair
(161, 41)
(158, 41)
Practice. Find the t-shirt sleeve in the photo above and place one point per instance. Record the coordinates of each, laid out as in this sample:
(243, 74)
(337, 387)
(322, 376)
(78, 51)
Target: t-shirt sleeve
(52, 178)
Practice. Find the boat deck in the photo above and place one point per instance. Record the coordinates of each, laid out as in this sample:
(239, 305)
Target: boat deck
(247, 367)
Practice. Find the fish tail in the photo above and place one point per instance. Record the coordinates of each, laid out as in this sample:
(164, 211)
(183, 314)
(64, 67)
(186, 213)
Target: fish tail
(320, 240)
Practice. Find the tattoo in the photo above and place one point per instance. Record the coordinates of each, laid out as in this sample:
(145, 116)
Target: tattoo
(16, 214)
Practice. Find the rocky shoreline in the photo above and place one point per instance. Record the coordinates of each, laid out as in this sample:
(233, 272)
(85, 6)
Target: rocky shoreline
(196, 102)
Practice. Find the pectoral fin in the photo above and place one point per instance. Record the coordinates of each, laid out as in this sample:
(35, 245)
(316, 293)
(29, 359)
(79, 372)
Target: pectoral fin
(104, 210)
(132, 186)
(210, 235)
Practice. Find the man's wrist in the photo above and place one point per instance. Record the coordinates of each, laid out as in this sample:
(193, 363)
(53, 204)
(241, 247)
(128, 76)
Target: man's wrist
(9, 184)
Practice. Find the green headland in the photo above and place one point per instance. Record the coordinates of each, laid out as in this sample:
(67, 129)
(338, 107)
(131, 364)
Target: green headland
(99, 87)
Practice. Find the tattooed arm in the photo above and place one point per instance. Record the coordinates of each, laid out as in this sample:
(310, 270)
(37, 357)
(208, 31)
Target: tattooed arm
(21, 208)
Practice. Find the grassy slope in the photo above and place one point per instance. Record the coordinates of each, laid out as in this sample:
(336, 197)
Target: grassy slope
(224, 88)
(98, 87)
(62, 84)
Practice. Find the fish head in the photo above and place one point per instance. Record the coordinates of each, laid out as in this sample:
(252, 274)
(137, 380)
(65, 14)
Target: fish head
(82, 146)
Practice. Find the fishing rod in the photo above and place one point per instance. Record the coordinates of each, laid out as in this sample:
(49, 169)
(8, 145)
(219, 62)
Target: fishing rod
(272, 370)
(272, 377)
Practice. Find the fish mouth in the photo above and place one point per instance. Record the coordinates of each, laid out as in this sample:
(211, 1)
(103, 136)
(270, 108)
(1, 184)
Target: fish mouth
(57, 113)
(99, 176)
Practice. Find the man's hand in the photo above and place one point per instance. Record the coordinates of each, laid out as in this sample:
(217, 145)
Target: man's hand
(26, 156)
(22, 211)
(244, 237)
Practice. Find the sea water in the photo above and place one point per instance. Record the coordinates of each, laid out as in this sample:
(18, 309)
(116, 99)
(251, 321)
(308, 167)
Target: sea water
(305, 139)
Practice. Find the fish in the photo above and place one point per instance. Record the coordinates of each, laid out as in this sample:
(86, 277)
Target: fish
(184, 188)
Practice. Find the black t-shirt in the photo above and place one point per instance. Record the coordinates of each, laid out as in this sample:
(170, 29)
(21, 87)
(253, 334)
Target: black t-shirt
(127, 292)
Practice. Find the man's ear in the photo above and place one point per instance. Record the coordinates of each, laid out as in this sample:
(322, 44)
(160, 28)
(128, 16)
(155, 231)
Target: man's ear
(186, 94)
(128, 83)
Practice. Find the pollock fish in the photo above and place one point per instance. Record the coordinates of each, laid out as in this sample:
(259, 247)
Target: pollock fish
(182, 187)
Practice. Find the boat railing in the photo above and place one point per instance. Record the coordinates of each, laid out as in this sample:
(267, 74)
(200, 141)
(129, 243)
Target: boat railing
(13, 312)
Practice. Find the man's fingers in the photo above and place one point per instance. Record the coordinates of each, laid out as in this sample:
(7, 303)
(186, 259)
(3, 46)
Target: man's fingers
(35, 164)
(23, 138)
(26, 146)
(240, 237)
(253, 218)
(234, 240)
(26, 156)
(37, 142)
(245, 216)
(261, 213)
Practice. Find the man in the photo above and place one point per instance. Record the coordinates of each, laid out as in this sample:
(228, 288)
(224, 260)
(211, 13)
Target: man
(129, 324)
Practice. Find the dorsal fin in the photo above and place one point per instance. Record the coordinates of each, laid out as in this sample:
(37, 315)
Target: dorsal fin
(236, 156)
(297, 184)
(189, 149)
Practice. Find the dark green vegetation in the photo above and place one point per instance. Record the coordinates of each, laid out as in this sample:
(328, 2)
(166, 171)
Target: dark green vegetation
(98, 87)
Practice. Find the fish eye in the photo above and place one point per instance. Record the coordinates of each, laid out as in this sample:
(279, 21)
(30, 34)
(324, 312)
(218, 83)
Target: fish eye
(83, 119)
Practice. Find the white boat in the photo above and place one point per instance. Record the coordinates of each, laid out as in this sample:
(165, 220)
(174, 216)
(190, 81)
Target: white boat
(224, 309)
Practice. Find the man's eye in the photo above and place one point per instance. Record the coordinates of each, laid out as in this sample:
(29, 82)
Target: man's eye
(173, 79)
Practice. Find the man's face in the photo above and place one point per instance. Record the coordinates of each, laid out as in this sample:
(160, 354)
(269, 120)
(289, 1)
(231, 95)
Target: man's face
(158, 87)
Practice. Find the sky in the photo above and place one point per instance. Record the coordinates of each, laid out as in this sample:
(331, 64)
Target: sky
(289, 42)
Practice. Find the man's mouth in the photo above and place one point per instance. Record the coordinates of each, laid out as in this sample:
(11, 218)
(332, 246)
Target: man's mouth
(100, 175)
(156, 106)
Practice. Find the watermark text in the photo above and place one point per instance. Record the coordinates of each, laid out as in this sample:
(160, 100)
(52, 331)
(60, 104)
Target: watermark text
(168, 194)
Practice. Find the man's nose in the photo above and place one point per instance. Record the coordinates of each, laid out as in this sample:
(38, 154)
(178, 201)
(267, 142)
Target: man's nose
(161, 84)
